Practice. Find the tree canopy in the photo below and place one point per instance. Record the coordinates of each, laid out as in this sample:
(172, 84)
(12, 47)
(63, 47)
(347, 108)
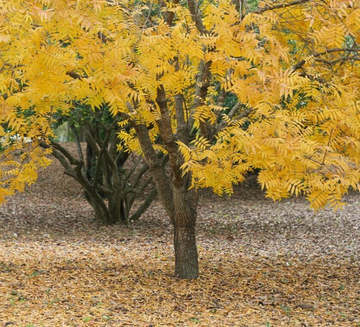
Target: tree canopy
(292, 67)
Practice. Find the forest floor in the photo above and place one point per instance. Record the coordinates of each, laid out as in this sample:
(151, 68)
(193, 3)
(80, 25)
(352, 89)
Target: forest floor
(262, 263)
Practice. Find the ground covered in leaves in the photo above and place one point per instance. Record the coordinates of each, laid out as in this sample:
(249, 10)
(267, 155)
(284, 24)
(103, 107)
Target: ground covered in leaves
(262, 263)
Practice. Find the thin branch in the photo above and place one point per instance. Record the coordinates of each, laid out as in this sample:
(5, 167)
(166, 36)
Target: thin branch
(75, 75)
(164, 160)
(182, 131)
(328, 144)
(92, 142)
(69, 170)
(132, 170)
(234, 109)
(301, 63)
(72, 160)
(203, 82)
(78, 145)
(281, 5)
(141, 172)
(318, 54)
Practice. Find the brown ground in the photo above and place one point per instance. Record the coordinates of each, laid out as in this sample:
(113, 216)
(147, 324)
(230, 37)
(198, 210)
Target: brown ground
(262, 263)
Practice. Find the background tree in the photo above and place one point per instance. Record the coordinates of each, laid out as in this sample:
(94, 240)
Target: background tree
(110, 181)
(170, 70)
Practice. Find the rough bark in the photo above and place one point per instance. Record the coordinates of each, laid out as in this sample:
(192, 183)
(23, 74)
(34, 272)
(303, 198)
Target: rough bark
(186, 256)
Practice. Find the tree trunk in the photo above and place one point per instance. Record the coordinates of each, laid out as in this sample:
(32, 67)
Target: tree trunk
(179, 202)
(90, 162)
(100, 210)
(117, 212)
(111, 213)
(186, 257)
(184, 221)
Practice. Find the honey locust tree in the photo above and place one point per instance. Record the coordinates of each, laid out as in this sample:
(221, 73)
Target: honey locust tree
(221, 87)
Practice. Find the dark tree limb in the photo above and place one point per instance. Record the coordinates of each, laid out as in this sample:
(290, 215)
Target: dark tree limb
(78, 145)
(302, 62)
(67, 155)
(144, 206)
(73, 168)
(196, 16)
(246, 112)
(281, 5)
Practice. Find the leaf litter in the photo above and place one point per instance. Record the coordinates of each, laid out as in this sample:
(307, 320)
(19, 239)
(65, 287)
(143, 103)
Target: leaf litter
(262, 263)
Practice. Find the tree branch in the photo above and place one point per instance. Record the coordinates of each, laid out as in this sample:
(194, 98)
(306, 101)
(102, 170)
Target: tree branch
(167, 135)
(280, 6)
(196, 17)
(78, 145)
(170, 14)
(201, 90)
(182, 130)
(92, 142)
(143, 207)
(99, 159)
(64, 158)
(159, 176)
(232, 113)
(302, 62)
(72, 160)
(75, 75)
(69, 170)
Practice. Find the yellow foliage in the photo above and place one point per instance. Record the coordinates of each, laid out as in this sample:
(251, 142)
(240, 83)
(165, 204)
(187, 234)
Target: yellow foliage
(290, 70)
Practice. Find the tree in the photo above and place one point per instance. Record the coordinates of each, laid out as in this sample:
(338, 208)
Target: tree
(171, 69)
(110, 186)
